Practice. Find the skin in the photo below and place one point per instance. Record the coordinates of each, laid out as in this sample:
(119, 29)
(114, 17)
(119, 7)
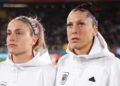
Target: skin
(80, 32)
(19, 41)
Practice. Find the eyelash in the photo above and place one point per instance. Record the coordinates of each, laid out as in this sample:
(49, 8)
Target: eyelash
(79, 24)
(17, 33)
(69, 25)
(8, 33)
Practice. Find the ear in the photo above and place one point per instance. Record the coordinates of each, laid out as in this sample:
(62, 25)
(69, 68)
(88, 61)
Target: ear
(95, 30)
(35, 40)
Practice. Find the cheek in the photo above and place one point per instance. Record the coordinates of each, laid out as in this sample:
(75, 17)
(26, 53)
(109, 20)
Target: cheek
(7, 40)
(26, 41)
(88, 35)
(69, 35)
(85, 34)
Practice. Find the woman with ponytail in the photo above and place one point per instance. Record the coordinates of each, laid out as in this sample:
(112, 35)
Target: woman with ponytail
(28, 63)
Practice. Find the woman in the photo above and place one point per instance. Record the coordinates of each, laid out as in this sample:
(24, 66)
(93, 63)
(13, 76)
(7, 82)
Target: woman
(88, 62)
(28, 63)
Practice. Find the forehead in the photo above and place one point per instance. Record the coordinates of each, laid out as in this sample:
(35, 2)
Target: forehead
(17, 24)
(77, 15)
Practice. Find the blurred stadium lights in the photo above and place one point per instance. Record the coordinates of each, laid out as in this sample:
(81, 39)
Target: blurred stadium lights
(10, 5)
(3, 14)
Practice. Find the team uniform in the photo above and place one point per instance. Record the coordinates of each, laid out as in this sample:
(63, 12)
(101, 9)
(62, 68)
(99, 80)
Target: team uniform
(99, 68)
(36, 72)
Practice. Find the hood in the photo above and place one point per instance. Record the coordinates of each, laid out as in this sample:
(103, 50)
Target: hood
(98, 50)
(41, 58)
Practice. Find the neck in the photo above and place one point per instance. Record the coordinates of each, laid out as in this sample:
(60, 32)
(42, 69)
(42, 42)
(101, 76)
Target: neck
(21, 58)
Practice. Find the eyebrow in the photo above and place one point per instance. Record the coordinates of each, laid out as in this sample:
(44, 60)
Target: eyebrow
(79, 20)
(15, 29)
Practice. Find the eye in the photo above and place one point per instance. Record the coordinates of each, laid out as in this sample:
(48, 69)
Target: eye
(69, 25)
(8, 33)
(81, 23)
(19, 33)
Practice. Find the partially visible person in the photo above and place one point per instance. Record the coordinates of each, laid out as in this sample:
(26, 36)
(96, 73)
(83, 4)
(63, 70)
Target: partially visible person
(28, 63)
(88, 62)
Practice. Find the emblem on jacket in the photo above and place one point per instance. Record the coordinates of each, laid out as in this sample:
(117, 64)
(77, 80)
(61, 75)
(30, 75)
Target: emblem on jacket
(64, 78)
(3, 83)
(92, 79)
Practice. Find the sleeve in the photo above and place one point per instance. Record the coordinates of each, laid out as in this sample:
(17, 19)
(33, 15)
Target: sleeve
(114, 78)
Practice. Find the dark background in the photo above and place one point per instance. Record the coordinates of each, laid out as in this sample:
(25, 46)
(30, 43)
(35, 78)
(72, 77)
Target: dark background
(53, 13)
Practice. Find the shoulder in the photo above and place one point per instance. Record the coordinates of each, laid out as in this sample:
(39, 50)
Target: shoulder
(49, 73)
(113, 60)
(64, 59)
(48, 69)
(114, 71)
(113, 63)
(3, 63)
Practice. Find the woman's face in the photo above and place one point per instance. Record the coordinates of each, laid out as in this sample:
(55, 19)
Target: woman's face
(19, 39)
(80, 30)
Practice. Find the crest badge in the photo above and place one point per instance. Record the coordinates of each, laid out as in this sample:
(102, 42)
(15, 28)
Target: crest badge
(64, 78)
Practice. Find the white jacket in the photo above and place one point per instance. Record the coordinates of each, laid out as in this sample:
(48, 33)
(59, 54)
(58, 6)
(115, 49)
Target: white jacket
(36, 72)
(99, 68)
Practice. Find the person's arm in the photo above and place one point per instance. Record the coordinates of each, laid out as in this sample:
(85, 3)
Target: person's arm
(114, 79)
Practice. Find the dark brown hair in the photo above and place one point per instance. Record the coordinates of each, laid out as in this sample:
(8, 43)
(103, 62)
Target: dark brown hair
(86, 7)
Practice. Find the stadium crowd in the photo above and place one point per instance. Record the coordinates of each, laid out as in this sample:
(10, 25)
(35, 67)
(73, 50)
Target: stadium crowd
(53, 17)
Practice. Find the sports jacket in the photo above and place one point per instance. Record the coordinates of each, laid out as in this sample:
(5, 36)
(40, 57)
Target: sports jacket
(99, 68)
(36, 72)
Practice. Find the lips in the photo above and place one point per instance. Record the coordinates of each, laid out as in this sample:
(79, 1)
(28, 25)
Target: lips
(11, 45)
(75, 39)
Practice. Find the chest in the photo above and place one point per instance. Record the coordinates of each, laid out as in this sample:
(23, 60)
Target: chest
(16, 77)
(82, 75)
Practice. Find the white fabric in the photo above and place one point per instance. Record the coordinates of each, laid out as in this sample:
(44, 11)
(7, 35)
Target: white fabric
(36, 72)
(99, 68)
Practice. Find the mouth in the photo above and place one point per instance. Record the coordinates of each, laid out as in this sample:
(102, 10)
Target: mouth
(11, 45)
(75, 39)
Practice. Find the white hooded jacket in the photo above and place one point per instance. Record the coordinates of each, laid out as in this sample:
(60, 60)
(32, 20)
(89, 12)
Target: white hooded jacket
(99, 68)
(36, 72)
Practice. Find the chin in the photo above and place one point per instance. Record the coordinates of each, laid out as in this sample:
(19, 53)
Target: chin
(74, 46)
(12, 51)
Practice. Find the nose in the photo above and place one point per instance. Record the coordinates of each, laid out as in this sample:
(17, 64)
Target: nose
(11, 37)
(74, 29)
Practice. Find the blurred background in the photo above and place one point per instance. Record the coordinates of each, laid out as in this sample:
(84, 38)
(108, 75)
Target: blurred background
(53, 13)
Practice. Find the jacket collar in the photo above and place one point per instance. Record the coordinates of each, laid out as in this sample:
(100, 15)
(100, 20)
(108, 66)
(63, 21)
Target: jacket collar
(99, 49)
(41, 58)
